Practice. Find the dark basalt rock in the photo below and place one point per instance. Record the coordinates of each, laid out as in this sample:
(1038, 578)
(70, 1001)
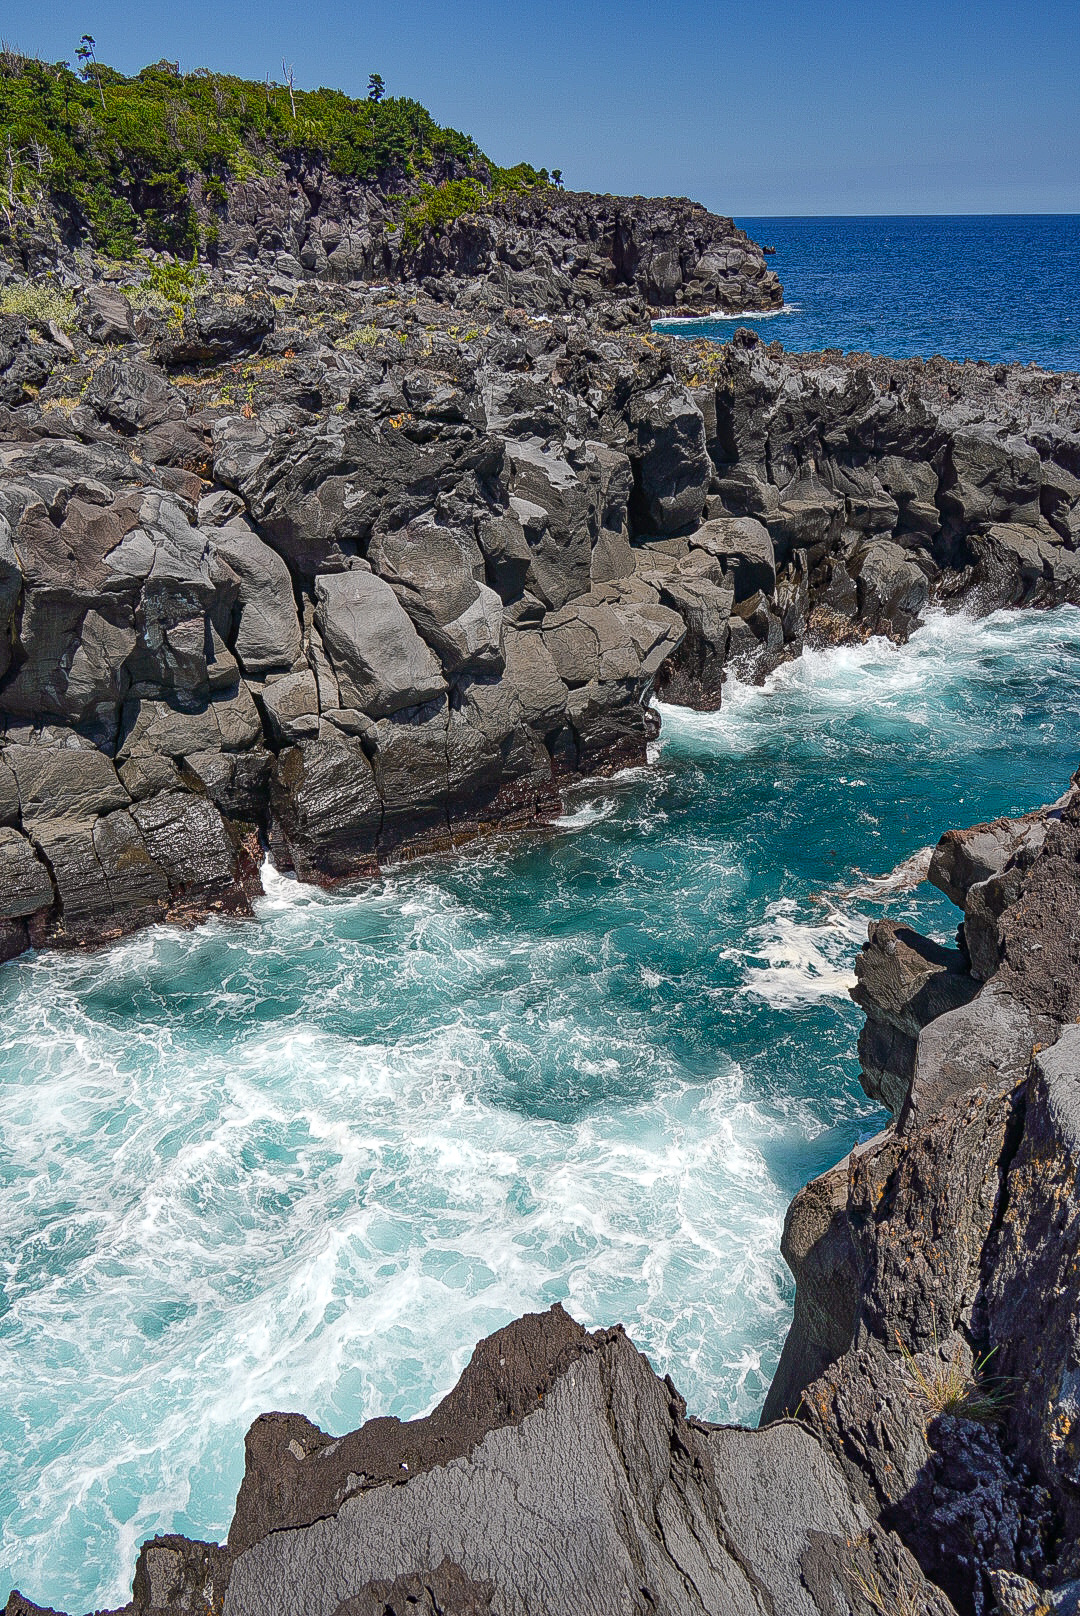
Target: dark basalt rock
(935, 1346)
(216, 328)
(561, 1474)
(420, 574)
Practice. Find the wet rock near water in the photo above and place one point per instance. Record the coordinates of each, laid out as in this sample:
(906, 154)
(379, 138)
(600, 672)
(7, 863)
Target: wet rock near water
(935, 1348)
(338, 574)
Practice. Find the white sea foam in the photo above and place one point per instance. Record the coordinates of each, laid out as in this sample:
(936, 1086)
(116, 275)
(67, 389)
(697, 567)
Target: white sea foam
(902, 878)
(793, 962)
(309, 1162)
(672, 322)
(590, 813)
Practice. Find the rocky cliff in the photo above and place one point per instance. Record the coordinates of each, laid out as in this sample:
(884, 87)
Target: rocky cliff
(297, 566)
(340, 573)
(935, 1348)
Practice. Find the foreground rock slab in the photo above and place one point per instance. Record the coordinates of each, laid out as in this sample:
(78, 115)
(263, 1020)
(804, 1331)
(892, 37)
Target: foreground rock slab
(561, 1475)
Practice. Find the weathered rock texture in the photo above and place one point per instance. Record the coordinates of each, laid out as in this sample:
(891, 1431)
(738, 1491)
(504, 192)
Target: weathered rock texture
(561, 1475)
(935, 1348)
(541, 248)
(342, 575)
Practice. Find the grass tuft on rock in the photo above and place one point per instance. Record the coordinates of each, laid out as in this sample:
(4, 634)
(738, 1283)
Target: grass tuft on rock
(950, 1386)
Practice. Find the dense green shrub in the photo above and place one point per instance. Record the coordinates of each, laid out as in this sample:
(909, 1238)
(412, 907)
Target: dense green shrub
(436, 205)
(124, 170)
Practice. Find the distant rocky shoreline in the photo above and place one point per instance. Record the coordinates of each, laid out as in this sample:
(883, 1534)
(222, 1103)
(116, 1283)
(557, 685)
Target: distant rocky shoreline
(293, 564)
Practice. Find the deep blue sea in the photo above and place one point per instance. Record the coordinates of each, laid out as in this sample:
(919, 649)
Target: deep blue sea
(306, 1162)
(968, 287)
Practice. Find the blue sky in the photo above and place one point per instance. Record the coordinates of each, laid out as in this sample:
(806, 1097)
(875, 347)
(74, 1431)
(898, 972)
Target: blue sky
(823, 106)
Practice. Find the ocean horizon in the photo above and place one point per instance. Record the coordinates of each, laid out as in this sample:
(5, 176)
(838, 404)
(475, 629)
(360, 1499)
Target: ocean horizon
(994, 287)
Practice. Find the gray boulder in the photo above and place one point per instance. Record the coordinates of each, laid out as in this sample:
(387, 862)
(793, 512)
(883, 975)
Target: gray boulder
(131, 395)
(1019, 564)
(105, 315)
(892, 589)
(903, 982)
(913, 485)
(599, 1471)
(990, 478)
(744, 549)
(187, 838)
(557, 511)
(290, 707)
(25, 884)
(964, 857)
(215, 328)
(984, 1043)
(327, 812)
(535, 681)
(75, 782)
(267, 631)
(437, 574)
(380, 661)
(1059, 501)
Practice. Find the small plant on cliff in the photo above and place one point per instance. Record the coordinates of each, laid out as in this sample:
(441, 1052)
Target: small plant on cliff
(439, 205)
(365, 336)
(168, 288)
(949, 1387)
(901, 1599)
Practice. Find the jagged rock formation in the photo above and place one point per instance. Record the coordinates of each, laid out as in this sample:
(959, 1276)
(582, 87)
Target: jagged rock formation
(560, 1475)
(935, 1347)
(546, 250)
(305, 567)
(337, 575)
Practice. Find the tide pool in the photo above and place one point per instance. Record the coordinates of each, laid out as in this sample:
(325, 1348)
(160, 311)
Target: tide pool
(307, 1162)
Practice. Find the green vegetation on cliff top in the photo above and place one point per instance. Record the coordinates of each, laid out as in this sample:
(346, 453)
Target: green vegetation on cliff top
(126, 159)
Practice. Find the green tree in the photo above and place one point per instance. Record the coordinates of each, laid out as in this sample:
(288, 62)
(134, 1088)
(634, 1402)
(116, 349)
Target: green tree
(376, 89)
(86, 56)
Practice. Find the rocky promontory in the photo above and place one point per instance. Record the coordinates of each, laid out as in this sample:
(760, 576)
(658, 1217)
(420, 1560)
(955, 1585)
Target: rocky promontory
(346, 572)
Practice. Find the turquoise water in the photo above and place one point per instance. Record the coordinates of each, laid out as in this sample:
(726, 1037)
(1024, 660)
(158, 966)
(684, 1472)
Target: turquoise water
(307, 1162)
(998, 288)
